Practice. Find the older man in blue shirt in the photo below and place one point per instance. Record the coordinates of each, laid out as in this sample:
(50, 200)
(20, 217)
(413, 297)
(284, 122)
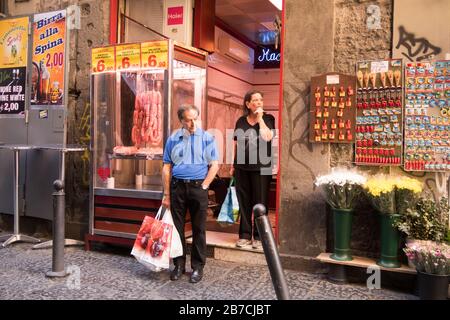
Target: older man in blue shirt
(190, 165)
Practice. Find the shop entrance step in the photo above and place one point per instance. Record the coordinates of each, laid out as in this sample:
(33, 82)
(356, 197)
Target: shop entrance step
(224, 249)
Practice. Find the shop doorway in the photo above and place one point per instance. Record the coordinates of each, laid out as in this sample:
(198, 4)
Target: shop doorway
(247, 57)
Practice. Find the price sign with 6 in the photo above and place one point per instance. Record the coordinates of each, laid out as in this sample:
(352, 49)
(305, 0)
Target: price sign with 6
(128, 56)
(155, 54)
(103, 59)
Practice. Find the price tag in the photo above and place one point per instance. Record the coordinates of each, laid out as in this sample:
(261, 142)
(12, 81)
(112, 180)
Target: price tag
(155, 54)
(333, 79)
(379, 66)
(103, 60)
(128, 56)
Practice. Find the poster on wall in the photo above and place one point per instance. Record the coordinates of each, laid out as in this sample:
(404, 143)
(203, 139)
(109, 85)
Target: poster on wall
(49, 41)
(420, 31)
(13, 62)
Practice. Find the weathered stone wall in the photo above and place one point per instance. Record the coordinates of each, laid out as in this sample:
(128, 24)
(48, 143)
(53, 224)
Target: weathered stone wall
(356, 39)
(308, 51)
(94, 32)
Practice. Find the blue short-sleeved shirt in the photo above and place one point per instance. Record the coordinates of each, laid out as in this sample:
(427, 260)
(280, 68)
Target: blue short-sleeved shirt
(190, 154)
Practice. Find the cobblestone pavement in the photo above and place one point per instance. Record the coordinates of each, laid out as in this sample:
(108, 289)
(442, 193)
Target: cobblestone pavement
(111, 273)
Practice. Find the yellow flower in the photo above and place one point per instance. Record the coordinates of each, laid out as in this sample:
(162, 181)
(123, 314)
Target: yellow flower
(409, 184)
(380, 184)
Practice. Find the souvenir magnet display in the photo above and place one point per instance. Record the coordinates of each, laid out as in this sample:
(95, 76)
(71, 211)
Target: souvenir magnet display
(427, 118)
(333, 107)
(379, 113)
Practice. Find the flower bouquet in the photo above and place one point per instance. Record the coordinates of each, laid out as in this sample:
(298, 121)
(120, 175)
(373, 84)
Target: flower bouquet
(341, 189)
(427, 220)
(407, 191)
(432, 262)
(381, 192)
(391, 196)
(429, 256)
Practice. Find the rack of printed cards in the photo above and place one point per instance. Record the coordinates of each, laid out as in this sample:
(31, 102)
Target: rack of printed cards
(398, 114)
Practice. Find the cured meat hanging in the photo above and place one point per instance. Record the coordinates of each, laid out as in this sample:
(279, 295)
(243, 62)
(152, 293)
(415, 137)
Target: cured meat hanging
(147, 119)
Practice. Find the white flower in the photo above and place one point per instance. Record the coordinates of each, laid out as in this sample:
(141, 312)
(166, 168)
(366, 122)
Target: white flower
(341, 177)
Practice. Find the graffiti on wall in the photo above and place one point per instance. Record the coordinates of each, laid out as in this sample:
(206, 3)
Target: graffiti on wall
(417, 49)
(84, 139)
(298, 120)
(420, 30)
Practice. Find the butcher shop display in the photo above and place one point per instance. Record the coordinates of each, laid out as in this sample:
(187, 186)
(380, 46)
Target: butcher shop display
(146, 124)
(147, 119)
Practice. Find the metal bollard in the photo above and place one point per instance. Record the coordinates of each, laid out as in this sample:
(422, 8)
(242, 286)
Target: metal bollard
(59, 204)
(271, 252)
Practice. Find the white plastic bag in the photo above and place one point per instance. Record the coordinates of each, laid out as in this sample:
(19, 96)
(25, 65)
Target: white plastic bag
(176, 247)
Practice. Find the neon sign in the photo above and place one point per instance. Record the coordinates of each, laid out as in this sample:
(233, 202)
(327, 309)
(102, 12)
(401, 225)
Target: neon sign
(267, 57)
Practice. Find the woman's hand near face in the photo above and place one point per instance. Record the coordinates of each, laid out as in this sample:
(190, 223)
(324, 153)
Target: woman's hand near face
(259, 113)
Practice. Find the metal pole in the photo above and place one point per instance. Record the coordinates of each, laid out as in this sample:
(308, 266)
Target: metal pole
(16, 192)
(271, 252)
(58, 269)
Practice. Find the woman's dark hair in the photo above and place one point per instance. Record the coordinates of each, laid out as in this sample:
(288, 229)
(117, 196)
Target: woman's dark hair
(248, 98)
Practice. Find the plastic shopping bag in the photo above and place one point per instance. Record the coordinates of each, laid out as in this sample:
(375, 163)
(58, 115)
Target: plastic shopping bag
(176, 247)
(229, 212)
(153, 241)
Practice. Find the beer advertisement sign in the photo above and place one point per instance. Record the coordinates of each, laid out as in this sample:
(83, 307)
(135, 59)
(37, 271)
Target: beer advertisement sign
(13, 42)
(49, 40)
(13, 66)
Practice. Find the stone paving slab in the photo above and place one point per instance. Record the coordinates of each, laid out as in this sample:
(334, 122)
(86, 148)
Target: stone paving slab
(111, 273)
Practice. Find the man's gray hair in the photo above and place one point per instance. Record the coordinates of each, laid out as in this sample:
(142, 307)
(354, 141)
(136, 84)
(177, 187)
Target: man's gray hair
(186, 107)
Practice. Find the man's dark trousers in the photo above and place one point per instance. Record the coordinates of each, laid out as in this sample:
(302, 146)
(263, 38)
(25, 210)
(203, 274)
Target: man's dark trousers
(190, 196)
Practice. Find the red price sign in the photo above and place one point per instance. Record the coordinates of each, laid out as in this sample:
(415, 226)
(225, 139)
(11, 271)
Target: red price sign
(103, 60)
(155, 54)
(128, 56)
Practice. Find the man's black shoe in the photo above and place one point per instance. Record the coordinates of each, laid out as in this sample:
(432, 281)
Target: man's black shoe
(176, 273)
(196, 276)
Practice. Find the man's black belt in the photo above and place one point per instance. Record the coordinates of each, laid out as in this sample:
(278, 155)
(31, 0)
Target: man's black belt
(187, 181)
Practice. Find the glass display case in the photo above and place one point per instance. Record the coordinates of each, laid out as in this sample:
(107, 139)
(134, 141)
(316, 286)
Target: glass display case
(133, 112)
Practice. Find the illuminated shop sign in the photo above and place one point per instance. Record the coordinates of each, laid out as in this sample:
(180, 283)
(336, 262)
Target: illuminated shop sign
(267, 57)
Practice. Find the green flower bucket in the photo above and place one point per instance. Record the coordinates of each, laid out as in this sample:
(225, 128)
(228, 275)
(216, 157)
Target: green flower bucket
(342, 219)
(389, 242)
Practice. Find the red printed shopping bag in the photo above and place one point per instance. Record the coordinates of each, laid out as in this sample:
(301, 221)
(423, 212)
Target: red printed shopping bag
(152, 245)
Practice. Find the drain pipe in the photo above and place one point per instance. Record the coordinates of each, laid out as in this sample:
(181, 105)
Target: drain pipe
(271, 252)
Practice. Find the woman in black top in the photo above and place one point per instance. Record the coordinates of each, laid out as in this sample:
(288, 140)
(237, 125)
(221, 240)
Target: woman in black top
(252, 167)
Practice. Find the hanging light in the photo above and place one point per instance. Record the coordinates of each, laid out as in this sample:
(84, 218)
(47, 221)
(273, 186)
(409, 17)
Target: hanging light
(278, 4)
